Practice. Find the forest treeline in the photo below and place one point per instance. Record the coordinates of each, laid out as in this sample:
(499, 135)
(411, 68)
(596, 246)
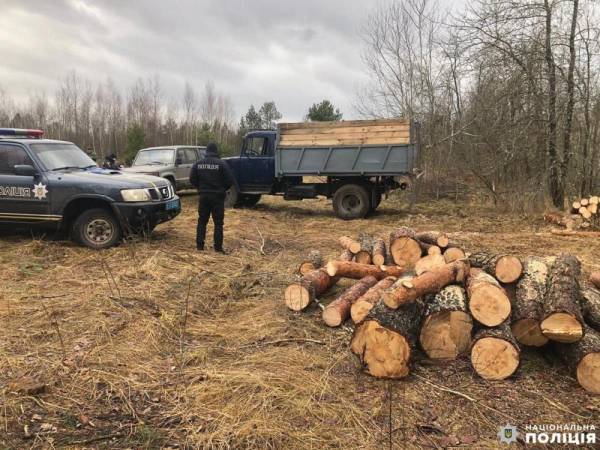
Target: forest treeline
(507, 94)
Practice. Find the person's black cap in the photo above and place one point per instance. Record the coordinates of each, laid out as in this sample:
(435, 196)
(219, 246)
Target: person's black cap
(211, 149)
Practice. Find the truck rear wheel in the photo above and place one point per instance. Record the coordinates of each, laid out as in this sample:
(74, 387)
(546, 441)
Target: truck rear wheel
(97, 229)
(352, 201)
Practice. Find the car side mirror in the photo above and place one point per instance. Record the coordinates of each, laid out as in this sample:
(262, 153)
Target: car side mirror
(25, 170)
(178, 161)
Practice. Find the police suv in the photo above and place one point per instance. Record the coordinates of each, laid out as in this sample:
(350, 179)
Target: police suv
(56, 184)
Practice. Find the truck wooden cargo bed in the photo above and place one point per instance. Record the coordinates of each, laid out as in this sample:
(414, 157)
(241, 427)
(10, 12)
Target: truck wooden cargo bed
(351, 148)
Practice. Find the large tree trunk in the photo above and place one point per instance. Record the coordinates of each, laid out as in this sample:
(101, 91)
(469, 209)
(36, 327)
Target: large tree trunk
(446, 330)
(313, 261)
(562, 319)
(428, 283)
(488, 301)
(361, 307)
(583, 359)
(528, 303)
(356, 271)
(590, 305)
(379, 252)
(433, 238)
(302, 293)
(505, 268)
(495, 354)
(338, 311)
(405, 248)
(385, 341)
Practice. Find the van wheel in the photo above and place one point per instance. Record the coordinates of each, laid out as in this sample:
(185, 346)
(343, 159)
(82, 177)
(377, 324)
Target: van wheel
(351, 201)
(97, 229)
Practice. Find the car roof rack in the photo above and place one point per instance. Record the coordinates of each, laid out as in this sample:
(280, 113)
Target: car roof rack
(21, 133)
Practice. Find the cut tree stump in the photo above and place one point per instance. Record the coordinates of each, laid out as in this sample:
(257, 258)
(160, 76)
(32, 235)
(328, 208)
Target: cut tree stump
(590, 306)
(385, 341)
(338, 311)
(313, 261)
(427, 283)
(302, 293)
(356, 271)
(495, 354)
(562, 320)
(349, 244)
(429, 263)
(583, 359)
(528, 303)
(446, 330)
(405, 248)
(379, 252)
(488, 301)
(506, 268)
(595, 279)
(361, 307)
(453, 254)
(433, 238)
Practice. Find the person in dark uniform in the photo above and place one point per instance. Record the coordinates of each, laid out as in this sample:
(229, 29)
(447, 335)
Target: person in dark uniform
(212, 177)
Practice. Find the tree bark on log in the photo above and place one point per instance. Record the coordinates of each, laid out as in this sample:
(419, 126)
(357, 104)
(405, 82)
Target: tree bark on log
(528, 303)
(349, 244)
(433, 238)
(562, 320)
(338, 311)
(361, 307)
(495, 354)
(385, 341)
(379, 252)
(428, 283)
(356, 271)
(346, 255)
(453, 254)
(405, 248)
(313, 261)
(302, 293)
(446, 330)
(505, 268)
(488, 301)
(583, 359)
(590, 305)
(429, 263)
(595, 277)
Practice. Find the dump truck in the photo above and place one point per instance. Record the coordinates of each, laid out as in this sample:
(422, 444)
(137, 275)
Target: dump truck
(354, 163)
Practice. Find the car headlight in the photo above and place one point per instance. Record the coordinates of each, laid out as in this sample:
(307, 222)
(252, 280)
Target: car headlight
(136, 195)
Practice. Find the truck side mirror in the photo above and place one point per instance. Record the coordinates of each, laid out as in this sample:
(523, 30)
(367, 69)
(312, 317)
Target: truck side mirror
(25, 170)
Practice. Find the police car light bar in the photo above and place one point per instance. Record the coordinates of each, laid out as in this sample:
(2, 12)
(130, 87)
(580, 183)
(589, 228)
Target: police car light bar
(21, 132)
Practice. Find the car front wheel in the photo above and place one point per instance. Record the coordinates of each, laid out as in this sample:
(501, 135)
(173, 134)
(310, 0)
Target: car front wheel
(97, 229)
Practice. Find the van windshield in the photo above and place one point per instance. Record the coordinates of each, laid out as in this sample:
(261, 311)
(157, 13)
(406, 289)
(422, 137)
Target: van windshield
(62, 156)
(159, 157)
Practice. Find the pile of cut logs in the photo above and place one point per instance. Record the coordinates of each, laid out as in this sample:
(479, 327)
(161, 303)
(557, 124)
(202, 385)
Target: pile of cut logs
(583, 215)
(421, 290)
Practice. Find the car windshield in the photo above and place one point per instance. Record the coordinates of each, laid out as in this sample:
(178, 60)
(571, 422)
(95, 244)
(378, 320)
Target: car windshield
(154, 157)
(62, 156)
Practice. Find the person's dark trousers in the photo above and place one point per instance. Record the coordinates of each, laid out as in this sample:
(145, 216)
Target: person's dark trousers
(210, 204)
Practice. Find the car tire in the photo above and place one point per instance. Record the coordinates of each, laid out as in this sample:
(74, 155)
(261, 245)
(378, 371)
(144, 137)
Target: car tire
(249, 200)
(173, 183)
(352, 201)
(97, 229)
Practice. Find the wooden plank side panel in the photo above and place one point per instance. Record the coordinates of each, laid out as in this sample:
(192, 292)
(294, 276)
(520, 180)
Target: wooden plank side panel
(357, 136)
(347, 123)
(348, 130)
(332, 142)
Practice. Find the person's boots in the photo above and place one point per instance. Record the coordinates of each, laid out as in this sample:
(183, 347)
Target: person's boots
(220, 250)
(200, 247)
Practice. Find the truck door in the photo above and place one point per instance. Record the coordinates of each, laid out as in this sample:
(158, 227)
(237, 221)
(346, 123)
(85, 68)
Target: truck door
(258, 165)
(23, 198)
(185, 159)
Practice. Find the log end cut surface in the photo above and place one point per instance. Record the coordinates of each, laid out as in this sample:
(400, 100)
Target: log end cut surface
(446, 334)
(494, 358)
(332, 317)
(508, 269)
(297, 297)
(405, 251)
(385, 353)
(562, 327)
(528, 332)
(489, 305)
(588, 373)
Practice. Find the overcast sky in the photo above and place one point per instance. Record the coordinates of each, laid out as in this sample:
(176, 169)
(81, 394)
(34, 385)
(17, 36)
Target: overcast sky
(292, 52)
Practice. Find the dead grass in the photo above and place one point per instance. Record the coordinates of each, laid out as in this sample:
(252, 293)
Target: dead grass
(154, 345)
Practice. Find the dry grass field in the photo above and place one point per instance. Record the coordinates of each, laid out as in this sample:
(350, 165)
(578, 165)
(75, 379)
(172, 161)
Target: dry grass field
(154, 345)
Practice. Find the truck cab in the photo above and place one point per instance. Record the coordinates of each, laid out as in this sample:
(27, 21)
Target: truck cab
(254, 169)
